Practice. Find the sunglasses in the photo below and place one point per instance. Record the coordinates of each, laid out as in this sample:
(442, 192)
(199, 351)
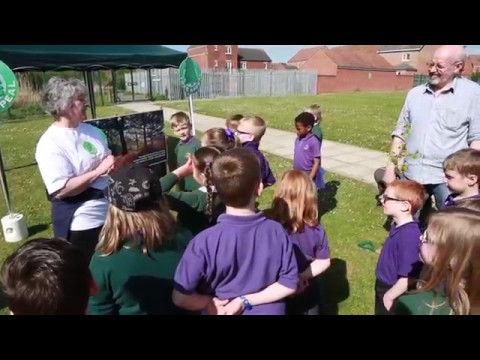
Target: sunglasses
(385, 198)
(238, 132)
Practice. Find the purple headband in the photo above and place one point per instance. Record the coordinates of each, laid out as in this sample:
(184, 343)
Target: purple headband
(230, 134)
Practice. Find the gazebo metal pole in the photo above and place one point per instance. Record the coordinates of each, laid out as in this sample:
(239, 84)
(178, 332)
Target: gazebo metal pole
(91, 92)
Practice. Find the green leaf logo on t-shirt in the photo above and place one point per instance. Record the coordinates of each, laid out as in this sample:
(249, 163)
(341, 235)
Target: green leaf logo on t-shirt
(89, 147)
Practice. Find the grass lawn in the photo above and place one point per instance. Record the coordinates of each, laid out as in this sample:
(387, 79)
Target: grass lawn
(348, 208)
(362, 119)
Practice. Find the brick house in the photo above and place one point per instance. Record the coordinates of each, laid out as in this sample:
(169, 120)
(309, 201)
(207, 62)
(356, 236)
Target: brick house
(229, 57)
(370, 49)
(303, 55)
(412, 58)
(415, 58)
(474, 61)
(253, 59)
(283, 66)
(343, 70)
(214, 56)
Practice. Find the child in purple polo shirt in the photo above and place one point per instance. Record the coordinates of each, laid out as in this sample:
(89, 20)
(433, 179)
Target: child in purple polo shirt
(462, 174)
(295, 206)
(250, 132)
(399, 259)
(246, 263)
(307, 155)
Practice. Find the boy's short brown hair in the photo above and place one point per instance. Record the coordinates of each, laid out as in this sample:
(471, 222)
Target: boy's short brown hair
(179, 118)
(47, 277)
(232, 121)
(236, 176)
(259, 126)
(465, 162)
(410, 191)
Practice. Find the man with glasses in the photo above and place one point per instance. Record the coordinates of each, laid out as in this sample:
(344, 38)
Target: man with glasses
(438, 119)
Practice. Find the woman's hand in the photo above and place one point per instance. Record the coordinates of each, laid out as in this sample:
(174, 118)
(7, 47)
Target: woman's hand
(106, 165)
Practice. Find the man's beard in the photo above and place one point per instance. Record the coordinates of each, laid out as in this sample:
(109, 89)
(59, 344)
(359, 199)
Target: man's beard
(434, 79)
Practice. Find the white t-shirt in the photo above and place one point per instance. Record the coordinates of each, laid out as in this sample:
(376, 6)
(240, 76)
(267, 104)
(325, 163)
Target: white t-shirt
(64, 153)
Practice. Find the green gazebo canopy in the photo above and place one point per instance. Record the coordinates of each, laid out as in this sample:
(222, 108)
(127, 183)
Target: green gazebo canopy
(89, 57)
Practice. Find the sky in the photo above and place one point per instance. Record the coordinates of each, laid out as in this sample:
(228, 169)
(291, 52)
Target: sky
(282, 53)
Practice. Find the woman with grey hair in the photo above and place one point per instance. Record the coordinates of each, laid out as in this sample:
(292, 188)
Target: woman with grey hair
(73, 159)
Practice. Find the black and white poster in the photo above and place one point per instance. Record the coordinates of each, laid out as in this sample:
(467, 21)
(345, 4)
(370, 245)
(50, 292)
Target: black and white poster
(138, 138)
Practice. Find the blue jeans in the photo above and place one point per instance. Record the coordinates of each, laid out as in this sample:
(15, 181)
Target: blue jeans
(440, 192)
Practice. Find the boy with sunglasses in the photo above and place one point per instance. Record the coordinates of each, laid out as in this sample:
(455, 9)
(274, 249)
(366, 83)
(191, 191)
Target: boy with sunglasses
(250, 131)
(399, 259)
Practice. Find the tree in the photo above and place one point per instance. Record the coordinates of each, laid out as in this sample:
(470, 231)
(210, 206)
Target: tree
(476, 76)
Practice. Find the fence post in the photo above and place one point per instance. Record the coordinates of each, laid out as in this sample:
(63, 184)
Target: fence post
(101, 87)
(150, 87)
(271, 82)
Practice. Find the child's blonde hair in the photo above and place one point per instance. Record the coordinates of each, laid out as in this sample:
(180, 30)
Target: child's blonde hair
(180, 118)
(315, 111)
(236, 175)
(149, 228)
(220, 138)
(471, 203)
(455, 268)
(311, 108)
(258, 124)
(465, 162)
(295, 202)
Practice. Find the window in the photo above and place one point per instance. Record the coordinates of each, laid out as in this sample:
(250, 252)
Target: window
(215, 63)
(243, 65)
(228, 64)
(215, 47)
(266, 66)
(406, 57)
(228, 49)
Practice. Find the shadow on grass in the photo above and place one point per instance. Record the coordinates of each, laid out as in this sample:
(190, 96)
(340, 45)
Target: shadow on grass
(334, 287)
(327, 198)
(21, 167)
(35, 229)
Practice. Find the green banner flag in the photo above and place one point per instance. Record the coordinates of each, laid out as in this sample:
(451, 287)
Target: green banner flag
(190, 76)
(8, 87)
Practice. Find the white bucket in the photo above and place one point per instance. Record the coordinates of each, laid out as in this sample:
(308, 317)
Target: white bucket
(14, 228)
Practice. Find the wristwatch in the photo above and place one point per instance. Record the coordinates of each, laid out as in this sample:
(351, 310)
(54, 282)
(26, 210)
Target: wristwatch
(245, 302)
